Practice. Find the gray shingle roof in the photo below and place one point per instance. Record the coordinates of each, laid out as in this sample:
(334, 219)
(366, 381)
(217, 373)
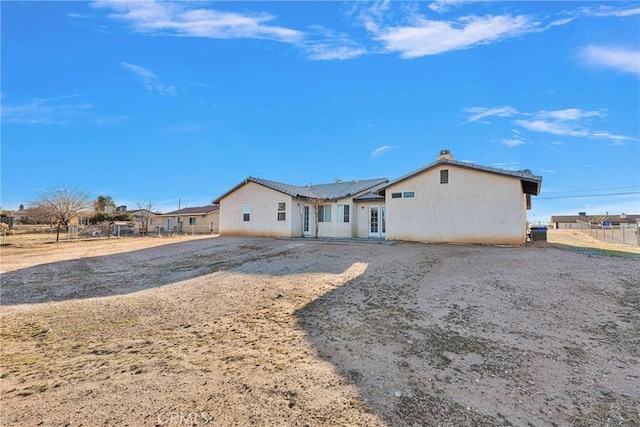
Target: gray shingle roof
(333, 191)
(199, 210)
(530, 182)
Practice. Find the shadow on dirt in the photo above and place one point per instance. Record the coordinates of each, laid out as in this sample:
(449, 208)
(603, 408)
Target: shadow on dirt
(128, 272)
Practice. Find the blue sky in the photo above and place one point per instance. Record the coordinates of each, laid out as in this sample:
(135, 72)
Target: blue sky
(178, 102)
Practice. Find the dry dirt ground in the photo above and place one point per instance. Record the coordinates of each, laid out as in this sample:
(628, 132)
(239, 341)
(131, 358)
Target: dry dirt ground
(275, 332)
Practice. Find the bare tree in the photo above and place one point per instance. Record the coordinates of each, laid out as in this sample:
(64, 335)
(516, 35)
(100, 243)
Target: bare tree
(144, 215)
(316, 203)
(60, 205)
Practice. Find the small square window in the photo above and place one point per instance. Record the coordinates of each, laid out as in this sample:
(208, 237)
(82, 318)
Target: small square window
(192, 220)
(444, 176)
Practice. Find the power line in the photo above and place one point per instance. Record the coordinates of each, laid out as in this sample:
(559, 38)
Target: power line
(588, 195)
(597, 189)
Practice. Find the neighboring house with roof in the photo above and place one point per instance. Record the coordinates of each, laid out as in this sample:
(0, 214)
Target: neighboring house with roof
(445, 201)
(196, 220)
(144, 219)
(579, 221)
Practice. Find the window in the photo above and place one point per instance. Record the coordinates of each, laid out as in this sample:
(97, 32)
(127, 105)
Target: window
(444, 176)
(343, 213)
(281, 211)
(324, 213)
(246, 212)
(192, 220)
(404, 195)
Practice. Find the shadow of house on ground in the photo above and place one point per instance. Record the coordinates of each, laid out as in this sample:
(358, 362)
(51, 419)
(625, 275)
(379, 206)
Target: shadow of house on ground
(480, 336)
(128, 272)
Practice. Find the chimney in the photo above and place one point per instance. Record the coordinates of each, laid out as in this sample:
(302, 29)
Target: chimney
(444, 155)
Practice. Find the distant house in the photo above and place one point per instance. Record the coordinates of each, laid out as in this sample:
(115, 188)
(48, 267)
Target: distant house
(197, 220)
(563, 222)
(144, 219)
(445, 201)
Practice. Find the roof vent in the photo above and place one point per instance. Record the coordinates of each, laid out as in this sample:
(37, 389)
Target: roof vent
(444, 155)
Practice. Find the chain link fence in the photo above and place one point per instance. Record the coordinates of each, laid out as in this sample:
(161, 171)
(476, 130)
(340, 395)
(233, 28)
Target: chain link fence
(620, 234)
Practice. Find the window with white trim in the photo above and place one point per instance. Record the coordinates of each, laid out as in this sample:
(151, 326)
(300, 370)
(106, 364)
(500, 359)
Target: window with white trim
(343, 213)
(396, 195)
(246, 212)
(324, 213)
(192, 220)
(408, 194)
(282, 211)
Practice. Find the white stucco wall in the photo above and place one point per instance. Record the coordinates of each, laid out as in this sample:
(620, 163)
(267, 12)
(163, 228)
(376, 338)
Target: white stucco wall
(263, 203)
(474, 207)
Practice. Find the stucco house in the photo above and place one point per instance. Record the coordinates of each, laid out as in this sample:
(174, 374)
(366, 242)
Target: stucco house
(196, 220)
(259, 207)
(445, 201)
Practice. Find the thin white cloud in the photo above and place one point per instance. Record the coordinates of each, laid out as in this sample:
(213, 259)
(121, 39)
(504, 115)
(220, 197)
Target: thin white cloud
(178, 19)
(381, 150)
(149, 79)
(327, 45)
(327, 52)
(429, 37)
(609, 11)
(372, 16)
(548, 171)
(618, 58)
(569, 114)
(478, 113)
(45, 111)
(513, 142)
(570, 122)
(441, 6)
(564, 129)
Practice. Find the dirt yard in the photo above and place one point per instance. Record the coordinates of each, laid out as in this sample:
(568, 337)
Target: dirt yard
(275, 332)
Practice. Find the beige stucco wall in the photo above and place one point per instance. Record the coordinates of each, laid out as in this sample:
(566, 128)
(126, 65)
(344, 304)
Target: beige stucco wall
(263, 222)
(362, 216)
(209, 223)
(336, 228)
(474, 207)
(263, 202)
